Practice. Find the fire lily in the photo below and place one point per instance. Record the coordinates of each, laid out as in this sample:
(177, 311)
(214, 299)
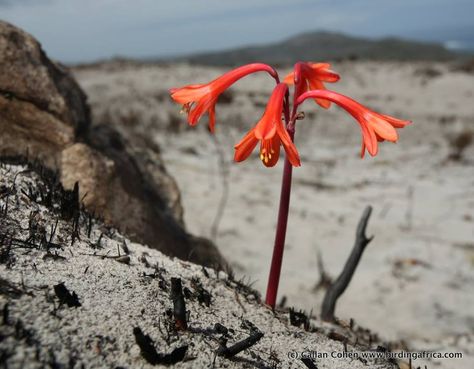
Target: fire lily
(271, 132)
(375, 127)
(310, 76)
(197, 99)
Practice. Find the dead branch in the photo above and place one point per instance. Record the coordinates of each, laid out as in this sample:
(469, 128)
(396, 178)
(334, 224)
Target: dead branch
(339, 286)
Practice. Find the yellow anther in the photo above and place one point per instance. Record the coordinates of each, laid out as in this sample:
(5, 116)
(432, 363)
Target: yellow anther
(270, 155)
(266, 159)
(261, 156)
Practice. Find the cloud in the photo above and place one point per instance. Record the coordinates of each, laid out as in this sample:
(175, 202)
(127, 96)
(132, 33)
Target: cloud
(12, 3)
(80, 30)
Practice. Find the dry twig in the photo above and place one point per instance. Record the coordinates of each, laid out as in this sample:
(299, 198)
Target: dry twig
(339, 286)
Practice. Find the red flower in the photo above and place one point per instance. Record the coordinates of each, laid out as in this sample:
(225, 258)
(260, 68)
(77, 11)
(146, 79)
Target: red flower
(310, 76)
(202, 98)
(375, 127)
(271, 133)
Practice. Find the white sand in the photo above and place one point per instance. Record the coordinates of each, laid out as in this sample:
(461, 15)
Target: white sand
(416, 280)
(115, 298)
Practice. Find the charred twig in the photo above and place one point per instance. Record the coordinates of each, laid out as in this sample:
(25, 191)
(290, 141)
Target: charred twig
(5, 314)
(309, 363)
(202, 295)
(89, 225)
(97, 244)
(150, 354)
(51, 236)
(240, 346)
(124, 259)
(65, 296)
(298, 318)
(341, 283)
(179, 306)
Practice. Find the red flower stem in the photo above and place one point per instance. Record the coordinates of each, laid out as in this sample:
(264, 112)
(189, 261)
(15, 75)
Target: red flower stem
(277, 258)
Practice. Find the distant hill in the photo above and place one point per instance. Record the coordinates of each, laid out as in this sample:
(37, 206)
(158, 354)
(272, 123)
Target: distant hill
(325, 46)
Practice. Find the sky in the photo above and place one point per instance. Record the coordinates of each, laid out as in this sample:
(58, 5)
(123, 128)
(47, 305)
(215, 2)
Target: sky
(87, 30)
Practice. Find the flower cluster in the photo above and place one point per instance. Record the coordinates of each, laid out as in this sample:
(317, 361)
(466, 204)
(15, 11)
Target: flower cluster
(308, 80)
(276, 128)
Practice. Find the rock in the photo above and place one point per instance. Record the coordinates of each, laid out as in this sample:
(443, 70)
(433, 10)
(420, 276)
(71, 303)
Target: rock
(44, 116)
(28, 75)
(80, 163)
(31, 132)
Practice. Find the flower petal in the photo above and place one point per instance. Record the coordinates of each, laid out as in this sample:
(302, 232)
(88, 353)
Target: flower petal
(318, 85)
(289, 78)
(374, 126)
(383, 129)
(370, 140)
(397, 123)
(362, 149)
(322, 72)
(203, 96)
(189, 93)
(201, 107)
(266, 127)
(245, 147)
(288, 145)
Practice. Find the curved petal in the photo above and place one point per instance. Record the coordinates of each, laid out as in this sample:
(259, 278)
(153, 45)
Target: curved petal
(318, 85)
(245, 147)
(288, 145)
(204, 95)
(374, 126)
(289, 78)
(397, 123)
(370, 140)
(189, 93)
(362, 148)
(292, 154)
(201, 107)
(322, 72)
(266, 127)
(381, 127)
(311, 76)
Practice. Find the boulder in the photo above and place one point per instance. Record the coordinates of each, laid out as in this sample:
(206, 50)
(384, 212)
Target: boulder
(44, 116)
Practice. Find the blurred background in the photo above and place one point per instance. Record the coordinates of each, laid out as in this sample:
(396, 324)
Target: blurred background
(78, 31)
(412, 60)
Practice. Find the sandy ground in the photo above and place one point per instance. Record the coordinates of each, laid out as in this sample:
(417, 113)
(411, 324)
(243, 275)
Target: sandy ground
(105, 302)
(416, 280)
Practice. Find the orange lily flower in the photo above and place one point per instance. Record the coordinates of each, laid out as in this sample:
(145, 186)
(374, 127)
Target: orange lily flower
(271, 132)
(310, 76)
(198, 99)
(375, 127)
